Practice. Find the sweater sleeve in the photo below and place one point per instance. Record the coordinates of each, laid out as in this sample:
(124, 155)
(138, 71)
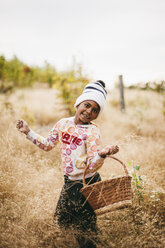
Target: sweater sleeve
(48, 143)
(93, 147)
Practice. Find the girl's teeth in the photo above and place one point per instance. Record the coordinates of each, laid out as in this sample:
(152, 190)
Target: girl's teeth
(86, 117)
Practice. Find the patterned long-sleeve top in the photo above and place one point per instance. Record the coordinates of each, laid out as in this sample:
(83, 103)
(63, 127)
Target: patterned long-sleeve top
(79, 145)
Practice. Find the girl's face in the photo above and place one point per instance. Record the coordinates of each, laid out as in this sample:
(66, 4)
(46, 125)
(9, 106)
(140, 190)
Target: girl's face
(86, 112)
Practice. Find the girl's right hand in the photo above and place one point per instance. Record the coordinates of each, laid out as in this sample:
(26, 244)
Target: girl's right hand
(22, 126)
(108, 150)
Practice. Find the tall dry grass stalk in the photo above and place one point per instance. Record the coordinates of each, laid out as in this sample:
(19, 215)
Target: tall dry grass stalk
(31, 179)
(139, 132)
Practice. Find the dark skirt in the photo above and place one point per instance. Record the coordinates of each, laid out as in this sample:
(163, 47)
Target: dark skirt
(73, 210)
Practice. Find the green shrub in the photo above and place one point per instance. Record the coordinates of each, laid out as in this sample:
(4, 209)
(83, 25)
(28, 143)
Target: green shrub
(70, 85)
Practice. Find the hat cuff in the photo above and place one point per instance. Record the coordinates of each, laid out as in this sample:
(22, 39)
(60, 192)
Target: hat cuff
(98, 98)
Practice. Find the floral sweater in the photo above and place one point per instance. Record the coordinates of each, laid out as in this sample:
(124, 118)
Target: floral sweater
(79, 146)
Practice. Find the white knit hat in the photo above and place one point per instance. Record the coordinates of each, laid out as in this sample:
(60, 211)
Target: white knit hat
(95, 92)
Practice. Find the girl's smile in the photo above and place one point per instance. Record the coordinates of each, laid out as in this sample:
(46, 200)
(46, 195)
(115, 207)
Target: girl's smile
(86, 112)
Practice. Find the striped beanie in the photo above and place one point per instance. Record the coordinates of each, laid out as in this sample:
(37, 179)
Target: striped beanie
(95, 92)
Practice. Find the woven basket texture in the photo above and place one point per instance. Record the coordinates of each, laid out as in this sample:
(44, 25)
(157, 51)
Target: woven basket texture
(108, 192)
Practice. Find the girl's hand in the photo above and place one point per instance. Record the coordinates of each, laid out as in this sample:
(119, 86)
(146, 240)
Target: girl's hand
(22, 126)
(108, 150)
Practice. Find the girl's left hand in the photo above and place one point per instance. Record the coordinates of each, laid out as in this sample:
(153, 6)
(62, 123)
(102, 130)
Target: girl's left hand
(22, 126)
(108, 150)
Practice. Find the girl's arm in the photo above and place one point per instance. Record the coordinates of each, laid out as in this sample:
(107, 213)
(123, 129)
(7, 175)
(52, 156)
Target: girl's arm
(95, 156)
(44, 143)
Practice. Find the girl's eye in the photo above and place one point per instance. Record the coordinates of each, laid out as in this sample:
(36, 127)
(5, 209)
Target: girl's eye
(87, 105)
(95, 111)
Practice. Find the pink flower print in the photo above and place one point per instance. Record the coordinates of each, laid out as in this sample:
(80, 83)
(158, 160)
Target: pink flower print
(68, 151)
(73, 146)
(71, 164)
(54, 132)
(80, 131)
(69, 169)
(67, 159)
(52, 139)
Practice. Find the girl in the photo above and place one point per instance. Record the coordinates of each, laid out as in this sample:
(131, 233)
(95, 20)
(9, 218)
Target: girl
(79, 141)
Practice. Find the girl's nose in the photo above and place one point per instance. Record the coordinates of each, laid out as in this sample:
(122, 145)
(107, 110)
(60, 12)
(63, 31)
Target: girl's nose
(88, 110)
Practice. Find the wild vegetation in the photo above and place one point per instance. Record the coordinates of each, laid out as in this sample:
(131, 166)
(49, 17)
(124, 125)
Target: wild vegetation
(31, 179)
(158, 86)
(15, 74)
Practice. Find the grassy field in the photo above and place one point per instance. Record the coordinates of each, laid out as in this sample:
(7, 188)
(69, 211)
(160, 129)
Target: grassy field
(31, 179)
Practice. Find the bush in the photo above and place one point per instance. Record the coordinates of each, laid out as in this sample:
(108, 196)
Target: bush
(70, 85)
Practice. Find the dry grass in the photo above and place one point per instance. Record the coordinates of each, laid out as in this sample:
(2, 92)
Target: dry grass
(31, 179)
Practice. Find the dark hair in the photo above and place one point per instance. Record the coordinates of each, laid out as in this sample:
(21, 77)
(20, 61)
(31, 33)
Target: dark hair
(101, 82)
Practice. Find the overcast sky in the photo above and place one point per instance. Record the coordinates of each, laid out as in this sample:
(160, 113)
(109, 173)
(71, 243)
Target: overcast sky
(109, 37)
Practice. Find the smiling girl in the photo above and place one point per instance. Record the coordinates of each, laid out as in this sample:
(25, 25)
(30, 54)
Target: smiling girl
(79, 141)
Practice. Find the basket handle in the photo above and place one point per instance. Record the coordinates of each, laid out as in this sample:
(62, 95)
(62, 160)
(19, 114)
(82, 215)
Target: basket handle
(109, 156)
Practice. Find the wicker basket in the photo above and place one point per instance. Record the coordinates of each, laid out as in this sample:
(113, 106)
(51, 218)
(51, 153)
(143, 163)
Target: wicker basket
(109, 195)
